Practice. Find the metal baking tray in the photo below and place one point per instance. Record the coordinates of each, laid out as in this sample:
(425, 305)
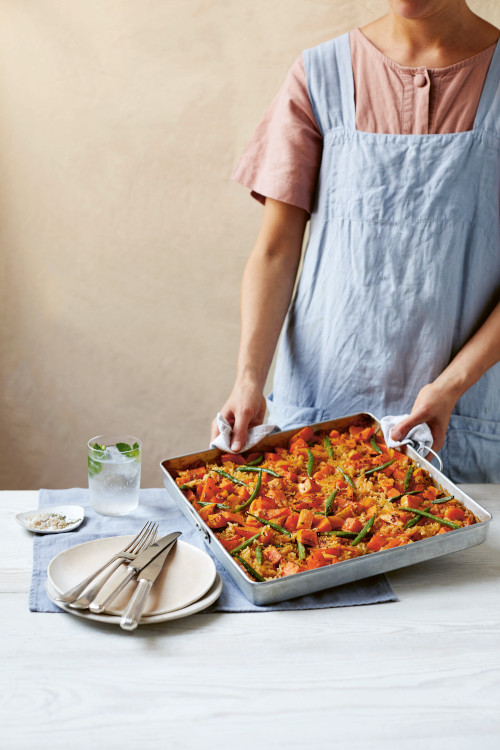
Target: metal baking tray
(346, 571)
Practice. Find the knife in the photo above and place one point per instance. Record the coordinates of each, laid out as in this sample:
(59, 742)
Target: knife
(137, 565)
(132, 615)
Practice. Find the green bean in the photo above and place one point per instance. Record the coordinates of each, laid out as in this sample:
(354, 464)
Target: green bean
(398, 497)
(246, 543)
(442, 500)
(252, 496)
(274, 526)
(250, 570)
(185, 486)
(347, 478)
(379, 468)
(342, 534)
(310, 462)
(258, 468)
(329, 502)
(217, 505)
(328, 446)
(256, 461)
(429, 515)
(413, 521)
(229, 476)
(374, 445)
(364, 531)
(408, 477)
(302, 550)
(258, 554)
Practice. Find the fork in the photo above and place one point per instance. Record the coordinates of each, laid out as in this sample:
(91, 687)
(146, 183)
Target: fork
(144, 538)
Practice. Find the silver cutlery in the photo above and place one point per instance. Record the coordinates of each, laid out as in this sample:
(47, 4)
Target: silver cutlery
(146, 578)
(135, 567)
(146, 536)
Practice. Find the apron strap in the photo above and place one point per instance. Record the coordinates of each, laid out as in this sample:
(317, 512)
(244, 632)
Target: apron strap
(488, 111)
(330, 84)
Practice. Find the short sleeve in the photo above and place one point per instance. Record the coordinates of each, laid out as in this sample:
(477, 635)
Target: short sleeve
(283, 157)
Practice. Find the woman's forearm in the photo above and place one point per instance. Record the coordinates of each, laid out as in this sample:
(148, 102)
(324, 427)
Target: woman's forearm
(266, 292)
(436, 401)
(480, 353)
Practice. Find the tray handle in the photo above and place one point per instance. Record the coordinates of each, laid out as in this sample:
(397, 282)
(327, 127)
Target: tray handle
(421, 449)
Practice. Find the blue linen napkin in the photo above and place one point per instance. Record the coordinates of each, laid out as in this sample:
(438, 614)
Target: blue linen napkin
(156, 505)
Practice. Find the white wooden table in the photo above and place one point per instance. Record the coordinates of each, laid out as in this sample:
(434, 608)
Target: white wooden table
(420, 673)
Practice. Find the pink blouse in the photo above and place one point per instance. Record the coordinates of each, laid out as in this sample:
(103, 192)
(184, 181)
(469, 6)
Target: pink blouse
(282, 159)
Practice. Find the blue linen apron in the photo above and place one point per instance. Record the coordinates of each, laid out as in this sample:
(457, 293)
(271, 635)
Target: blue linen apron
(401, 268)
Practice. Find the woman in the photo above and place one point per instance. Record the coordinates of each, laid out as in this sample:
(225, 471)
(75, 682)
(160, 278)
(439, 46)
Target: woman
(390, 144)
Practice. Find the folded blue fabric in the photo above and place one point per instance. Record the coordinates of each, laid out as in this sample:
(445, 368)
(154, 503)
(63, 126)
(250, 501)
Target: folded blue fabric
(156, 505)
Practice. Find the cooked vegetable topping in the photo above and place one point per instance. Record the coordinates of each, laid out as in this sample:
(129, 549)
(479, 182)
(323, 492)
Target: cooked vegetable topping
(324, 497)
(379, 468)
(364, 531)
(310, 463)
(434, 518)
(408, 477)
(228, 476)
(374, 445)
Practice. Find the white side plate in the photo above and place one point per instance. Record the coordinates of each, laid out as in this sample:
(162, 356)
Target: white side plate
(210, 597)
(73, 513)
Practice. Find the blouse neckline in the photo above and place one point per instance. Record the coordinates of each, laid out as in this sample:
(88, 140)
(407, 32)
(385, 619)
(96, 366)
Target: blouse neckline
(405, 69)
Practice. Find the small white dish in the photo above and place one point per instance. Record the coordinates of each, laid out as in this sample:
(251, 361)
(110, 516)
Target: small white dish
(74, 513)
(185, 578)
(209, 598)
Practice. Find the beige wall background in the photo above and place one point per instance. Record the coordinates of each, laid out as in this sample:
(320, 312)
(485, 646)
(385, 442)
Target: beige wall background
(122, 238)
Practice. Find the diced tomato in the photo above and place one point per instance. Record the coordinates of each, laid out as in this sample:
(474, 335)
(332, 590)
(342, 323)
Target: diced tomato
(336, 522)
(267, 536)
(316, 559)
(307, 435)
(206, 510)
(335, 551)
(272, 554)
(396, 542)
(276, 512)
(376, 542)
(290, 569)
(454, 514)
(291, 522)
(273, 457)
(308, 537)
(260, 503)
(431, 493)
(321, 524)
(230, 544)
(411, 501)
(234, 517)
(325, 471)
(352, 524)
(216, 521)
(305, 519)
(246, 532)
(297, 444)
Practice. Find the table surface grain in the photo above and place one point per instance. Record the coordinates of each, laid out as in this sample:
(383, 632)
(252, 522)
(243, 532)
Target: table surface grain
(420, 673)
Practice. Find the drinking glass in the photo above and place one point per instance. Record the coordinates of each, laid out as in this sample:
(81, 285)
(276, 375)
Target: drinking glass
(114, 463)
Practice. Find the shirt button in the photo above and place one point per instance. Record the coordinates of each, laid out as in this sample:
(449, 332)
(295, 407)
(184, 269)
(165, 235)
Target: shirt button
(420, 80)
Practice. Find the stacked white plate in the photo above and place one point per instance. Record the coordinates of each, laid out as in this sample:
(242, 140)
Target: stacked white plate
(188, 582)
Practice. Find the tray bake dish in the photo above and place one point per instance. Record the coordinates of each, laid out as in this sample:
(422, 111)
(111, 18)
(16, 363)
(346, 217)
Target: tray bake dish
(319, 506)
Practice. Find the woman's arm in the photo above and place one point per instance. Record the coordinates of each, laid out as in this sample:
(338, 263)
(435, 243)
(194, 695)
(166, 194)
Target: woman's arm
(436, 400)
(266, 292)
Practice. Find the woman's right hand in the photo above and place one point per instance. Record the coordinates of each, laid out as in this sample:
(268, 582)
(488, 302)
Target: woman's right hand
(245, 408)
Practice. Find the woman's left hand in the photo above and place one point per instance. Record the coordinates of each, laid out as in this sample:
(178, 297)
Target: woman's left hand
(433, 405)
